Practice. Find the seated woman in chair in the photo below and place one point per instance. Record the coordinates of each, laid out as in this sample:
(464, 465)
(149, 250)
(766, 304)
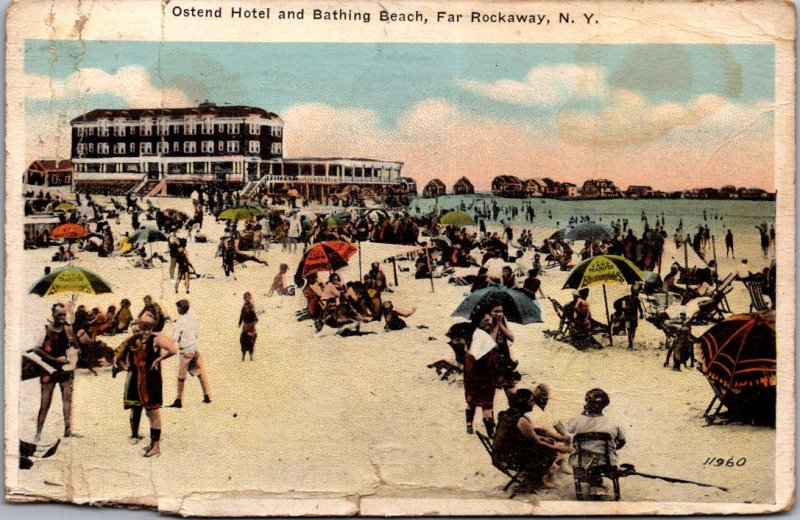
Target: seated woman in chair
(521, 444)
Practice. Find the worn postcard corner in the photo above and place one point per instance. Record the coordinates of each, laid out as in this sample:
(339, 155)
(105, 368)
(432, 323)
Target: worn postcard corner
(401, 258)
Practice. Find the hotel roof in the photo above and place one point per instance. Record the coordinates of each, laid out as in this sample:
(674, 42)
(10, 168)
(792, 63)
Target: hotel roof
(202, 110)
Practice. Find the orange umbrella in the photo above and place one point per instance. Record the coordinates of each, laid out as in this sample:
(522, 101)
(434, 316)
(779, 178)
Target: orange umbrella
(325, 256)
(69, 231)
(740, 352)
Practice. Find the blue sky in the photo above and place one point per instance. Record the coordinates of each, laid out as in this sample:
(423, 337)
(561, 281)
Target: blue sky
(446, 110)
(389, 78)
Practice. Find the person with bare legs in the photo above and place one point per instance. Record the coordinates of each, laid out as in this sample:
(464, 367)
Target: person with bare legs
(184, 333)
(59, 345)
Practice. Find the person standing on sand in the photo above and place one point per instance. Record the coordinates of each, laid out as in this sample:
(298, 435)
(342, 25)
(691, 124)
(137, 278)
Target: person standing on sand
(247, 321)
(185, 267)
(729, 244)
(479, 376)
(184, 333)
(59, 339)
(148, 348)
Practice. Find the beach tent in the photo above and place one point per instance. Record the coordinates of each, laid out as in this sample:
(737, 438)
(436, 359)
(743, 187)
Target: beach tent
(671, 255)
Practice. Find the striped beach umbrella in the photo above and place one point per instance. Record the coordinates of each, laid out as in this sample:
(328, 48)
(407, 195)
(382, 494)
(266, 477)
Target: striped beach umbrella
(326, 256)
(741, 351)
(70, 280)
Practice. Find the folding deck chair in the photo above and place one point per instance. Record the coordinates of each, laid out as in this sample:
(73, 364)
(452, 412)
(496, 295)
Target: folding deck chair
(592, 468)
(513, 473)
(756, 290)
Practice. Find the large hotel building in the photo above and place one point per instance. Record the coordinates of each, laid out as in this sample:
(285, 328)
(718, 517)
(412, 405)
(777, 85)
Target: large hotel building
(158, 151)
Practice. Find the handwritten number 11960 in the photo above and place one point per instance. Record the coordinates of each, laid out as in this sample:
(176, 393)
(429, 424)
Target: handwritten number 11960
(718, 462)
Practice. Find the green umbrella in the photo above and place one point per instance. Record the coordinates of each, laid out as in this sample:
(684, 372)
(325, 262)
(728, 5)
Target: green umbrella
(148, 234)
(456, 218)
(333, 223)
(65, 206)
(241, 213)
(72, 280)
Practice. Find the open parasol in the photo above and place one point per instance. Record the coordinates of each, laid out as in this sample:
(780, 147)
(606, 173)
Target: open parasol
(517, 306)
(588, 231)
(69, 231)
(740, 352)
(241, 213)
(70, 280)
(604, 270)
(456, 218)
(325, 256)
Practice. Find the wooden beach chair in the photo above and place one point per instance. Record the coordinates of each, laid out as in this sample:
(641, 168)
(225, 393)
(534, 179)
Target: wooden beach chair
(748, 406)
(755, 288)
(592, 468)
(514, 473)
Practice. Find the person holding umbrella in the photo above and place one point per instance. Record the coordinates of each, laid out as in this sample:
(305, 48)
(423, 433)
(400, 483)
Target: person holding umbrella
(59, 340)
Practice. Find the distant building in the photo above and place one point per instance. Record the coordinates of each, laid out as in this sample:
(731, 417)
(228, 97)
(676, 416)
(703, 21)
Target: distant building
(507, 186)
(177, 150)
(639, 192)
(599, 189)
(568, 190)
(463, 186)
(729, 192)
(708, 193)
(435, 188)
(533, 188)
(49, 173)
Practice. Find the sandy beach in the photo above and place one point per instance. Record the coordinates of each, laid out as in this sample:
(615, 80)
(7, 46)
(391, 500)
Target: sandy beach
(320, 415)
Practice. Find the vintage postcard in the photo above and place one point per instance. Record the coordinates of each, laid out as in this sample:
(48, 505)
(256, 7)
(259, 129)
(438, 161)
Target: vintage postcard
(271, 257)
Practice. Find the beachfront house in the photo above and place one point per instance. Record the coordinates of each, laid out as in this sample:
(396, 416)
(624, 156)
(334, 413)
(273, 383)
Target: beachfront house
(463, 186)
(729, 192)
(534, 187)
(177, 150)
(599, 189)
(507, 186)
(639, 192)
(435, 188)
(49, 173)
(708, 193)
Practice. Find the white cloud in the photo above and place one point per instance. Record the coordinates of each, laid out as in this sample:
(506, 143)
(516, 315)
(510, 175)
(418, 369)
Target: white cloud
(48, 132)
(545, 86)
(133, 84)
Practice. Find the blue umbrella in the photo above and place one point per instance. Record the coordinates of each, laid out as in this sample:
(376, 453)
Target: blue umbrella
(518, 307)
(588, 231)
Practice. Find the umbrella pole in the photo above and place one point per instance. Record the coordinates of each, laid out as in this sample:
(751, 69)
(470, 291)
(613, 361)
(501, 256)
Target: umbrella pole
(394, 268)
(430, 270)
(608, 317)
(714, 248)
(360, 276)
(686, 256)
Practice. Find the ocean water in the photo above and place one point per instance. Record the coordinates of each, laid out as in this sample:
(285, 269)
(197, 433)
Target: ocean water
(741, 216)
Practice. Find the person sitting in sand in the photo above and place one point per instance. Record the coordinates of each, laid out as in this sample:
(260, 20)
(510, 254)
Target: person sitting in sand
(241, 257)
(522, 444)
(123, 318)
(279, 283)
(393, 317)
(532, 285)
(582, 318)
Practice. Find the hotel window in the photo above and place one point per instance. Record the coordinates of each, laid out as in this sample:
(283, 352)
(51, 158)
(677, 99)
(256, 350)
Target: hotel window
(176, 146)
(119, 130)
(81, 148)
(132, 148)
(255, 129)
(102, 130)
(208, 126)
(221, 146)
(119, 148)
(146, 128)
(190, 147)
(207, 146)
(233, 128)
(162, 147)
(253, 147)
(131, 130)
(162, 128)
(233, 146)
(91, 147)
(90, 130)
(276, 148)
(146, 148)
(81, 131)
(275, 131)
(102, 148)
(191, 128)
